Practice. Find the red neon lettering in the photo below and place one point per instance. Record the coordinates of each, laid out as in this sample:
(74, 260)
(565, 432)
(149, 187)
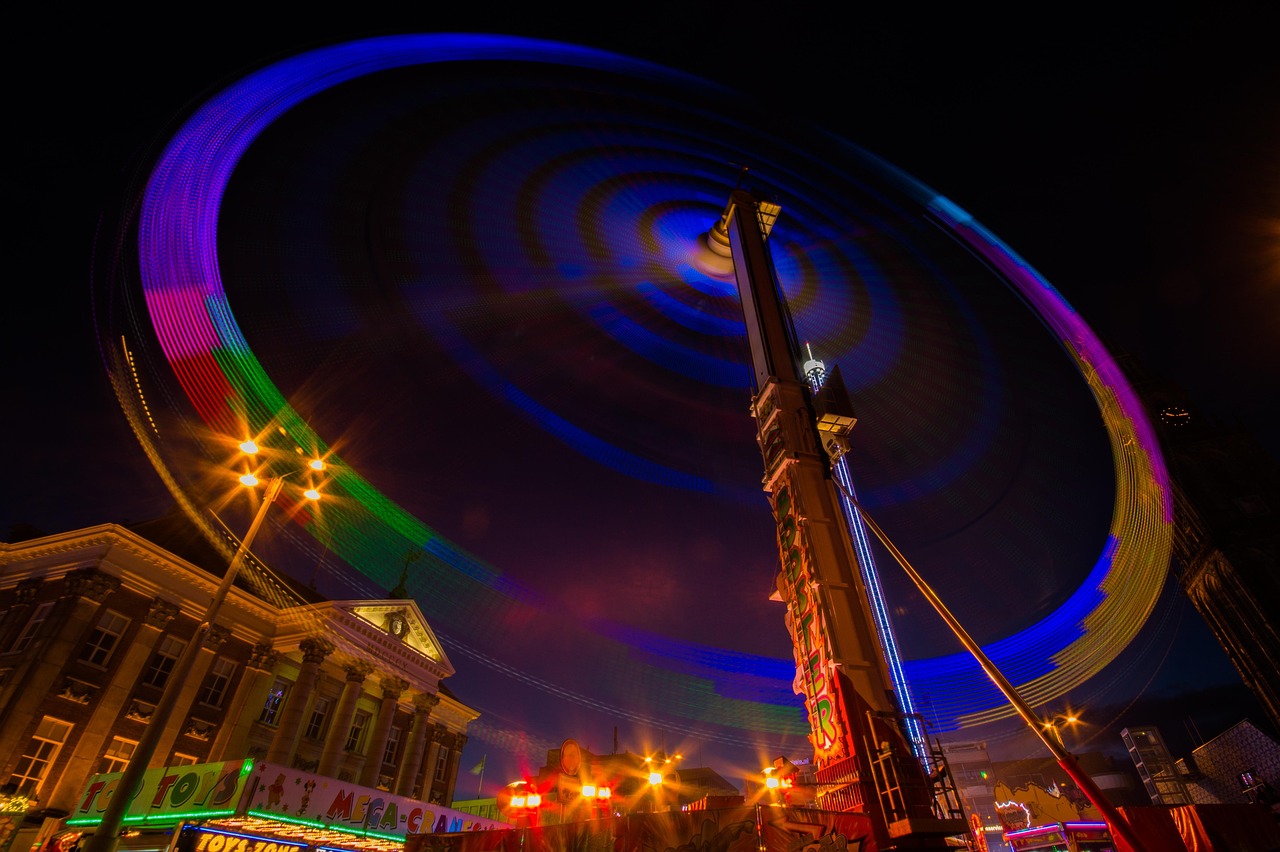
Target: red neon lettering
(94, 790)
(415, 820)
(341, 806)
(165, 783)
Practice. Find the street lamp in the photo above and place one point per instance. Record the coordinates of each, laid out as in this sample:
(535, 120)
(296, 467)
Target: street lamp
(1052, 726)
(106, 838)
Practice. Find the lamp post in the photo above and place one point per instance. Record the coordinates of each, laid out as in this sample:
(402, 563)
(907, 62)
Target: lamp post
(106, 837)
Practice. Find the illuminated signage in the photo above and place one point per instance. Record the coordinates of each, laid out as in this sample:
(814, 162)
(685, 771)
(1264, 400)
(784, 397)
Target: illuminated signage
(808, 631)
(290, 795)
(168, 795)
(199, 839)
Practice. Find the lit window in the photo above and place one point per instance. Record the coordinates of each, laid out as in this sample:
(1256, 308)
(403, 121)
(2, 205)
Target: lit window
(319, 713)
(215, 684)
(104, 638)
(39, 755)
(167, 653)
(393, 745)
(355, 737)
(180, 759)
(117, 755)
(442, 763)
(28, 633)
(272, 709)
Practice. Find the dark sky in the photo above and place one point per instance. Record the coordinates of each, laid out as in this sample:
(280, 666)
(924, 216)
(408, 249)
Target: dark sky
(1130, 158)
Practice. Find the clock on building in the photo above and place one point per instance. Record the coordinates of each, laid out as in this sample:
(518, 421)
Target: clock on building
(1175, 415)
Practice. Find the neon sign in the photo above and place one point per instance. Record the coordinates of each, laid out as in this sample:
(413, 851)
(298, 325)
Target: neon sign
(808, 631)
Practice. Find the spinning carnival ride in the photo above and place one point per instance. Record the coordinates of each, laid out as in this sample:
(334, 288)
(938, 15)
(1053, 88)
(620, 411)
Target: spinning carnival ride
(509, 230)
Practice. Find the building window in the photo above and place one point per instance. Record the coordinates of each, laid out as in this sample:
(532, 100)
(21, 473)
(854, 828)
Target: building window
(104, 638)
(117, 755)
(216, 682)
(167, 653)
(180, 759)
(319, 714)
(355, 737)
(39, 755)
(442, 763)
(393, 744)
(28, 633)
(275, 703)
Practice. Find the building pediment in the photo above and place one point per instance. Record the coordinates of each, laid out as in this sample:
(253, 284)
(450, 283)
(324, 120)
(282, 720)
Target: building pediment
(401, 620)
(394, 632)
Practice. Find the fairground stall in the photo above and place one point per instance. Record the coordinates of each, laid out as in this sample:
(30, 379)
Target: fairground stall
(252, 806)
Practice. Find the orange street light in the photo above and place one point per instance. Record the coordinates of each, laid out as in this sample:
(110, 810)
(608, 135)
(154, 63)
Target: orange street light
(106, 837)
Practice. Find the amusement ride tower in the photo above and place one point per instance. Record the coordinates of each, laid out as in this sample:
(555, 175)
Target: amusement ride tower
(865, 761)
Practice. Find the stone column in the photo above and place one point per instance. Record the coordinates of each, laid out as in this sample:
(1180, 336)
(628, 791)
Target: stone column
(86, 590)
(427, 778)
(412, 760)
(177, 723)
(232, 740)
(340, 725)
(108, 704)
(284, 745)
(392, 689)
(24, 606)
(451, 771)
(12, 622)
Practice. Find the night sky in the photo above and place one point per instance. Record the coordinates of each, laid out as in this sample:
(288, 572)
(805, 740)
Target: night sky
(1131, 160)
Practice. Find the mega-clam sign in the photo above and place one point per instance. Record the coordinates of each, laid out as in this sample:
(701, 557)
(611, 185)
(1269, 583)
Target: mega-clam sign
(291, 795)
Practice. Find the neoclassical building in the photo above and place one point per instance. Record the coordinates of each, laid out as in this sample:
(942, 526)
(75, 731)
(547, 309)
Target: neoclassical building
(92, 621)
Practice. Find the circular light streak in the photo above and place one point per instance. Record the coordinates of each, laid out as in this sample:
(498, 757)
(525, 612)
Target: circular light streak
(188, 310)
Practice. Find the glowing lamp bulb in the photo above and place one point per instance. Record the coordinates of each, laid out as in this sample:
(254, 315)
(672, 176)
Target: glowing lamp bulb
(771, 783)
(311, 494)
(603, 792)
(517, 801)
(588, 791)
(249, 448)
(655, 778)
(533, 800)
(316, 464)
(249, 479)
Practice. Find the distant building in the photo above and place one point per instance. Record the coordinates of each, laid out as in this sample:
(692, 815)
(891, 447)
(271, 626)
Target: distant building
(975, 780)
(1242, 764)
(573, 781)
(92, 621)
(1164, 784)
(1227, 541)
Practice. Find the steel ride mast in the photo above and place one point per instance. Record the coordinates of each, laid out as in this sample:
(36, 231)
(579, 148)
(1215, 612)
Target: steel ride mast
(815, 373)
(864, 761)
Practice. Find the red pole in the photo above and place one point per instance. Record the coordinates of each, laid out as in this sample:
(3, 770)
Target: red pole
(1115, 820)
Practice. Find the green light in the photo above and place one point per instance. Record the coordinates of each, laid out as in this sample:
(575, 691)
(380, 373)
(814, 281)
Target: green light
(327, 826)
(154, 819)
